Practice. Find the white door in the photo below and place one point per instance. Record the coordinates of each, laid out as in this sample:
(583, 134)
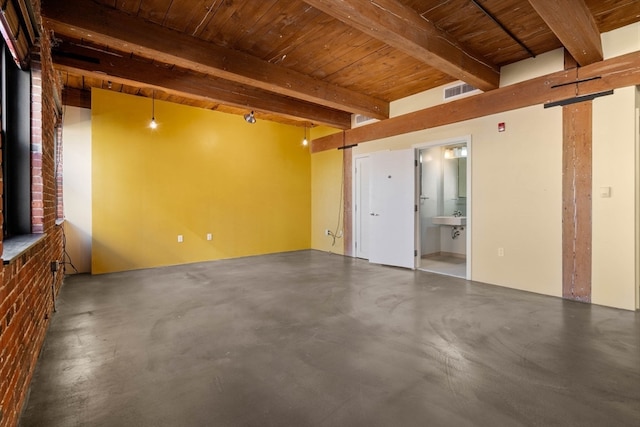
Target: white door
(361, 207)
(392, 208)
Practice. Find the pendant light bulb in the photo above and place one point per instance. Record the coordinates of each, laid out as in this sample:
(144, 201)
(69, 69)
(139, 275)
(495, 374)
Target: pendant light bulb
(305, 142)
(153, 124)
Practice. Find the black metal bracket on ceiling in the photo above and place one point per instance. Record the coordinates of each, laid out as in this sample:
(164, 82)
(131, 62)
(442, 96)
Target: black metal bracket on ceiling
(503, 28)
(344, 146)
(577, 99)
(575, 82)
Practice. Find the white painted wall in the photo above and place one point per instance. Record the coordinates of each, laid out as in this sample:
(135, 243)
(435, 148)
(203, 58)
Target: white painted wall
(621, 41)
(527, 69)
(517, 185)
(614, 219)
(637, 180)
(76, 140)
(517, 195)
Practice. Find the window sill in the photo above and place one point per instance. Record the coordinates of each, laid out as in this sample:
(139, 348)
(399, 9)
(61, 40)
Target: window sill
(13, 247)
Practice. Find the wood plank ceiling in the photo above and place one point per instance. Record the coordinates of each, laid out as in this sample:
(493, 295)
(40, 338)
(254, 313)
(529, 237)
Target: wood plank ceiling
(314, 61)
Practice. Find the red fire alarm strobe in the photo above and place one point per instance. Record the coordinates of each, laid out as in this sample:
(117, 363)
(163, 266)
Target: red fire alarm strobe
(501, 127)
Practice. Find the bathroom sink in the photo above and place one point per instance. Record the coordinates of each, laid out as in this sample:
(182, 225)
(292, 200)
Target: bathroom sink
(450, 220)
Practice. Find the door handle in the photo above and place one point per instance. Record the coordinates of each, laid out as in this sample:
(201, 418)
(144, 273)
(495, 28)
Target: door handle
(373, 214)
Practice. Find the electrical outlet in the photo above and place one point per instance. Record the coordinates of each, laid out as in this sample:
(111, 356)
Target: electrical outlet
(327, 232)
(500, 251)
(209, 236)
(180, 238)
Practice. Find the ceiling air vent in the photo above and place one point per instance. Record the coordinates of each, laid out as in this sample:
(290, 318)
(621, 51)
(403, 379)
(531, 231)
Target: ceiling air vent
(358, 120)
(459, 90)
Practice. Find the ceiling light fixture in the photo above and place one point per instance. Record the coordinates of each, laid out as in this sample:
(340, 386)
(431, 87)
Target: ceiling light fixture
(153, 123)
(305, 142)
(250, 118)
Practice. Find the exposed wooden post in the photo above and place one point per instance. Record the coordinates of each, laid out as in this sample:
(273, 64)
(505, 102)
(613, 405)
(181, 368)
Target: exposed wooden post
(347, 220)
(576, 201)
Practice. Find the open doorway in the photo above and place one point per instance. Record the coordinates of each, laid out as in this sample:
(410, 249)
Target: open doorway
(443, 195)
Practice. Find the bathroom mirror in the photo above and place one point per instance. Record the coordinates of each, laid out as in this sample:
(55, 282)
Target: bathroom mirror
(455, 178)
(462, 177)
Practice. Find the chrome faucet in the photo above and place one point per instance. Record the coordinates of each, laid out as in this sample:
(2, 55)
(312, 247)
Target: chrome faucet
(457, 213)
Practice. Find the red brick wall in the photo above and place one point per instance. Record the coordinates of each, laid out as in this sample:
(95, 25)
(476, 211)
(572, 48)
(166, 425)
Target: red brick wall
(26, 300)
(37, 132)
(59, 173)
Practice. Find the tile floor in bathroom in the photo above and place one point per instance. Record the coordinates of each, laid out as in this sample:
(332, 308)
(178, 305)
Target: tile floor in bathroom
(444, 264)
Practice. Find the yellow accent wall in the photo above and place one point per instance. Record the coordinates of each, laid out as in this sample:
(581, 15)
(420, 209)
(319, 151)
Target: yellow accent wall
(327, 201)
(199, 172)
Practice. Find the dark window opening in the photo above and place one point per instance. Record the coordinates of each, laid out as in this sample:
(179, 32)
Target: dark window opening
(16, 146)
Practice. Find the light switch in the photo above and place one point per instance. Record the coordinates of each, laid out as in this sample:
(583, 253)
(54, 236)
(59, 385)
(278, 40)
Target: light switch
(605, 192)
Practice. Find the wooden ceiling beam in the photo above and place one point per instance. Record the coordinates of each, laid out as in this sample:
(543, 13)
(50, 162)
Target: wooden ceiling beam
(403, 28)
(572, 22)
(124, 70)
(86, 19)
(75, 97)
(621, 71)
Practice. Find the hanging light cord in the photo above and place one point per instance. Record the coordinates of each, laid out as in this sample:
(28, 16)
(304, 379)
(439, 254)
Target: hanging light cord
(337, 234)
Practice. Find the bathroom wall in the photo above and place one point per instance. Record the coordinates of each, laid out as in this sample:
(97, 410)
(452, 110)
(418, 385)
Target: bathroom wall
(440, 196)
(431, 199)
(448, 245)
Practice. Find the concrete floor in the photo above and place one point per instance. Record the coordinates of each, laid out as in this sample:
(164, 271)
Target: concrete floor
(313, 339)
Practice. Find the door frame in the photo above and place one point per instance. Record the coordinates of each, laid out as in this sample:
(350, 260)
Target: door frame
(466, 139)
(355, 191)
